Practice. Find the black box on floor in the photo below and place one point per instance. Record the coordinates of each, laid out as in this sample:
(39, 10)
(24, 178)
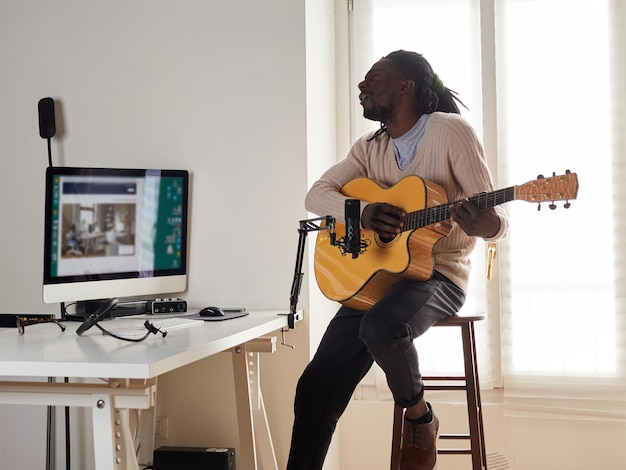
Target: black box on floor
(194, 458)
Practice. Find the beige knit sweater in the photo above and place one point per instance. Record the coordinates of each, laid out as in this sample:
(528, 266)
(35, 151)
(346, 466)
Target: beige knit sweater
(449, 155)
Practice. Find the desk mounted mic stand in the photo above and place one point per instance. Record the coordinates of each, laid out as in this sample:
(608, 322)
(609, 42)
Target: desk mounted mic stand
(306, 226)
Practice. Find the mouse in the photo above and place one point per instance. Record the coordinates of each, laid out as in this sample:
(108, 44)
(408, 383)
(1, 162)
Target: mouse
(212, 312)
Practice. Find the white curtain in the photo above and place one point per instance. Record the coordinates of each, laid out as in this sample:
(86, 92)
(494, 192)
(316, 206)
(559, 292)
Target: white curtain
(562, 104)
(544, 81)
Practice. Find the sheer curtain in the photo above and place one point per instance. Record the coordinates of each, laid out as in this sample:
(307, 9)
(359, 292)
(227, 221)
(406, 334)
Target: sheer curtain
(544, 81)
(563, 105)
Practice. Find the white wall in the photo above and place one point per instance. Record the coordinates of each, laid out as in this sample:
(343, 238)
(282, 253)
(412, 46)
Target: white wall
(218, 88)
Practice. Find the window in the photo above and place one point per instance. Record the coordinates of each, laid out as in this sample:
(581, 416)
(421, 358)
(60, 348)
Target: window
(542, 81)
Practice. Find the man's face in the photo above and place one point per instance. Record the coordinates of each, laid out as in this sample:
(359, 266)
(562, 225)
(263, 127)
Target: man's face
(380, 91)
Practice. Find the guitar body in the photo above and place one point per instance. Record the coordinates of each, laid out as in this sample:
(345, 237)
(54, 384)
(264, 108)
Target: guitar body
(360, 282)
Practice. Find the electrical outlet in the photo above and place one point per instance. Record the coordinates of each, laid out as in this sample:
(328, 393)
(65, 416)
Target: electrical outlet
(161, 427)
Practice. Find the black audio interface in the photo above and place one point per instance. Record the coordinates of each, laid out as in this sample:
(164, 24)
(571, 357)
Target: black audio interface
(157, 306)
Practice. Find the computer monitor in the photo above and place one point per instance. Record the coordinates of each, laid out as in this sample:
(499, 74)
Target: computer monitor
(114, 233)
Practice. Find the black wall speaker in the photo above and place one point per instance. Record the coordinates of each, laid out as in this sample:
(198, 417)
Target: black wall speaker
(47, 122)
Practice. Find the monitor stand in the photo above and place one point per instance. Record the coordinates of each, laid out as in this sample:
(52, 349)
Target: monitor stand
(125, 307)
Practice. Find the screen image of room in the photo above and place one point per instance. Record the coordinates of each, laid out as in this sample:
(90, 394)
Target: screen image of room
(100, 229)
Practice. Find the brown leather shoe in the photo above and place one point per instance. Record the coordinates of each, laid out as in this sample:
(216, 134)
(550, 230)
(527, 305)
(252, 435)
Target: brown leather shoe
(419, 444)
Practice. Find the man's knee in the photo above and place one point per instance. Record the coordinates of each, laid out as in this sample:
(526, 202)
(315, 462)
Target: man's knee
(379, 332)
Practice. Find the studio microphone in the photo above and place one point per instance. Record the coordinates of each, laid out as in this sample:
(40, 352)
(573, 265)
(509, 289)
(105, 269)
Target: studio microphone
(47, 123)
(353, 227)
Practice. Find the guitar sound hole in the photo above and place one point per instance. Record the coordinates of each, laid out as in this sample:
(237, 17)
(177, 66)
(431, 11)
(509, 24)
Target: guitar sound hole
(385, 241)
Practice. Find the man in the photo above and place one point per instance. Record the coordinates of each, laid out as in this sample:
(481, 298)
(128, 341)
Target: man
(421, 134)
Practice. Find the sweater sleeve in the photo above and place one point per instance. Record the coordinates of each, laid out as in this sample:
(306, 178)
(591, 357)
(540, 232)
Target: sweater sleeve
(471, 171)
(325, 197)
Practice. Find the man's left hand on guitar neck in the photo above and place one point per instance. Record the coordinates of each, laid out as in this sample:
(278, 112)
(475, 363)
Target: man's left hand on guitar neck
(475, 222)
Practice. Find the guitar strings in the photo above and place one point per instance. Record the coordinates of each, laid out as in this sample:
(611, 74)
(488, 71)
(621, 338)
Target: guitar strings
(432, 215)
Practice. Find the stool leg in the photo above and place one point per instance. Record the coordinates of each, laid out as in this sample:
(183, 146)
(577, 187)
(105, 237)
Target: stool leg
(483, 450)
(396, 437)
(474, 405)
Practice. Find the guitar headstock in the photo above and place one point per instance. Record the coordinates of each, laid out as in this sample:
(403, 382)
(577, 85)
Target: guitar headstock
(554, 188)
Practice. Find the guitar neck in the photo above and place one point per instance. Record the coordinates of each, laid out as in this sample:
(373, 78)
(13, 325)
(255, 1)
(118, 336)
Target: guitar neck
(433, 215)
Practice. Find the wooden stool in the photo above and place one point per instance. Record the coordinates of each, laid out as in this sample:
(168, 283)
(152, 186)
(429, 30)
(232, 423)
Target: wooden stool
(469, 383)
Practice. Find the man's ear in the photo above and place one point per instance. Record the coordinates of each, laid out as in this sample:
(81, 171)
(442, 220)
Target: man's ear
(407, 86)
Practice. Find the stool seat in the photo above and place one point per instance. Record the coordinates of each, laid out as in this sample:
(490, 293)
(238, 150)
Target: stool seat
(467, 382)
(459, 320)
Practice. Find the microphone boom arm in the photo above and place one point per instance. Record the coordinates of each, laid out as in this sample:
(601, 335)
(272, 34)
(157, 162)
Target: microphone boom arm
(306, 226)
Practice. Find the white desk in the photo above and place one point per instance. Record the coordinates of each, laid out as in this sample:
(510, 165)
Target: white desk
(132, 370)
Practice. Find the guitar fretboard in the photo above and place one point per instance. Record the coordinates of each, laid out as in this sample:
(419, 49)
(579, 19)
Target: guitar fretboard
(432, 215)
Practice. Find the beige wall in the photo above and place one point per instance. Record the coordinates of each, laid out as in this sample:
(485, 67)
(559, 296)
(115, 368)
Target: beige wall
(218, 88)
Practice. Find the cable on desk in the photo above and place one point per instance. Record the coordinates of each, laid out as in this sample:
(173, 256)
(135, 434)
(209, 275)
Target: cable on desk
(150, 329)
(68, 316)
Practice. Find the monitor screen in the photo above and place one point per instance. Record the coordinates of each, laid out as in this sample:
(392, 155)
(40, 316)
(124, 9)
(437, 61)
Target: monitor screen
(112, 233)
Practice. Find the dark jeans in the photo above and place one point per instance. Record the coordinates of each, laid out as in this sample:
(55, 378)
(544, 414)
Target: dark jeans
(352, 342)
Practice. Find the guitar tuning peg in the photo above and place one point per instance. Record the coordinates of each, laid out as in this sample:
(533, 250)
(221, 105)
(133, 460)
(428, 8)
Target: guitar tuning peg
(552, 206)
(567, 205)
(567, 172)
(540, 177)
(538, 207)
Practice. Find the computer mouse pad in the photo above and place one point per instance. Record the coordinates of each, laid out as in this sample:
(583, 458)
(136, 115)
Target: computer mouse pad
(226, 316)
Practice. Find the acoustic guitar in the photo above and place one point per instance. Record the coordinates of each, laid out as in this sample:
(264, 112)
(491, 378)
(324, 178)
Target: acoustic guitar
(360, 282)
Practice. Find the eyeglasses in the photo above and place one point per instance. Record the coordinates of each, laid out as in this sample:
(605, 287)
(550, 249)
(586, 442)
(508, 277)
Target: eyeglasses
(23, 322)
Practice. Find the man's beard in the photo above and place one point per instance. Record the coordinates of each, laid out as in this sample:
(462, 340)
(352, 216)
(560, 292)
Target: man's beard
(378, 113)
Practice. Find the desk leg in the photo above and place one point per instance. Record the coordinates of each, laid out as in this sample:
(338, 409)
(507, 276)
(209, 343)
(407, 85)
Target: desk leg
(114, 448)
(257, 449)
(124, 446)
(103, 419)
(128, 457)
(146, 435)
